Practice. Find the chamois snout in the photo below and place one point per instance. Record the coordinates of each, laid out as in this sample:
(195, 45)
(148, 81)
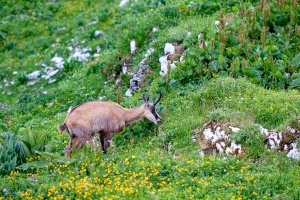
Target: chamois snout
(150, 110)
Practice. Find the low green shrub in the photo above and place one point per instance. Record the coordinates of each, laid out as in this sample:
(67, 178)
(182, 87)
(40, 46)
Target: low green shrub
(8, 154)
(15, 151)
(249, 136)
(268, 108)
(30, 143)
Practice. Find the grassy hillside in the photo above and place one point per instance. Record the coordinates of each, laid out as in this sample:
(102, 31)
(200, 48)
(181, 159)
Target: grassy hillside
(235, 64)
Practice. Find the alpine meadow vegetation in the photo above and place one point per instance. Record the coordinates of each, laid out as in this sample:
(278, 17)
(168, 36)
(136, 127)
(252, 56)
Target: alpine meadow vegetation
(228, 72)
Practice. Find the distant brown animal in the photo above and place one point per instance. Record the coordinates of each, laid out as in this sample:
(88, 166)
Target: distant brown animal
(105, 118)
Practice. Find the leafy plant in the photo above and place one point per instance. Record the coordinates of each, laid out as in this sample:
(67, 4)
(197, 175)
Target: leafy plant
(8, 154)
(30, 143)
(14, 151)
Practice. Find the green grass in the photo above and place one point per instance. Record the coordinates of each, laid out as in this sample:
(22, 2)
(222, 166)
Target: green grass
(141, 172)
(247, 81)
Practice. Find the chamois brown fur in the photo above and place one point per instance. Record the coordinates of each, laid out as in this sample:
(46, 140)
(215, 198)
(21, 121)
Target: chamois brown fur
(105, 118)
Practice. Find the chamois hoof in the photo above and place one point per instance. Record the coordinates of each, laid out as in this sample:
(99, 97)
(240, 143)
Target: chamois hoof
(68, 151)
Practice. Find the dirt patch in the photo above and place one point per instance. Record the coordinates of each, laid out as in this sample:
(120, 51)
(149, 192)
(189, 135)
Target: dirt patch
(215, 137)
(173, 53)
(284, 141)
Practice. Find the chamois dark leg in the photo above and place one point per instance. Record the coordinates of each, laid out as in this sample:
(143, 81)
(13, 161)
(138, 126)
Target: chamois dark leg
(73, 142)
(84, 139)
(101, 136)
(107, 140)
(80, 144)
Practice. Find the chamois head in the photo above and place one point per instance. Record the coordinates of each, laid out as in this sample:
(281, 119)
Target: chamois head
(150, 112)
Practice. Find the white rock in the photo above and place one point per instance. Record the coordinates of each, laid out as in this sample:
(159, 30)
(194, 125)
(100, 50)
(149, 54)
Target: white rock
(123, 2)
(33, 75)
(234, 129)
(208, 134)
(98, 48)
(149, 52)
(163, 65)
(48, 70)
(228, 150)
(93, 22)
(169, 48)
(173, 65)
(132, 46)
(220, 134)
(294, 153)
(50, 74)
(201, 153)
(220, 148)
(79, 56)
(275, 138)
(86, 49)
(128, 93)
(44, 65)
(264, 131)
(124, 68)
(58, 62)
(51, 80)
(290, 129)
(155, 29)
(234, 146)
(143, 62)
(181, 58)
(217, 24)
(222, 144)
(32, 82)
(200, 36)
(6, 82)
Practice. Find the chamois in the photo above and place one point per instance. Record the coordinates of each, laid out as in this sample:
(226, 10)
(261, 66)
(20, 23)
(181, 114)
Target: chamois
(103, 117)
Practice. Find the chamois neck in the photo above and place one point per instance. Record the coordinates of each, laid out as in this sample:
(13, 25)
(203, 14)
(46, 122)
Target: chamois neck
(134, 114)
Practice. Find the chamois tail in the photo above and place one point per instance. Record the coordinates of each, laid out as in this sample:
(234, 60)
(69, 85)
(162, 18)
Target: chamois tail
(62, 127)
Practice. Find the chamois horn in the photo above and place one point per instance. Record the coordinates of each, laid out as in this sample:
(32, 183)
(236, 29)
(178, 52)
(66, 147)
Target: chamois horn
(158, 99)
(146, 100)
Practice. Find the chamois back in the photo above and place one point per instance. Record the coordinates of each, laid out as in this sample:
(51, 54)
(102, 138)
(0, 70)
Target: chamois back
(95, 116)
